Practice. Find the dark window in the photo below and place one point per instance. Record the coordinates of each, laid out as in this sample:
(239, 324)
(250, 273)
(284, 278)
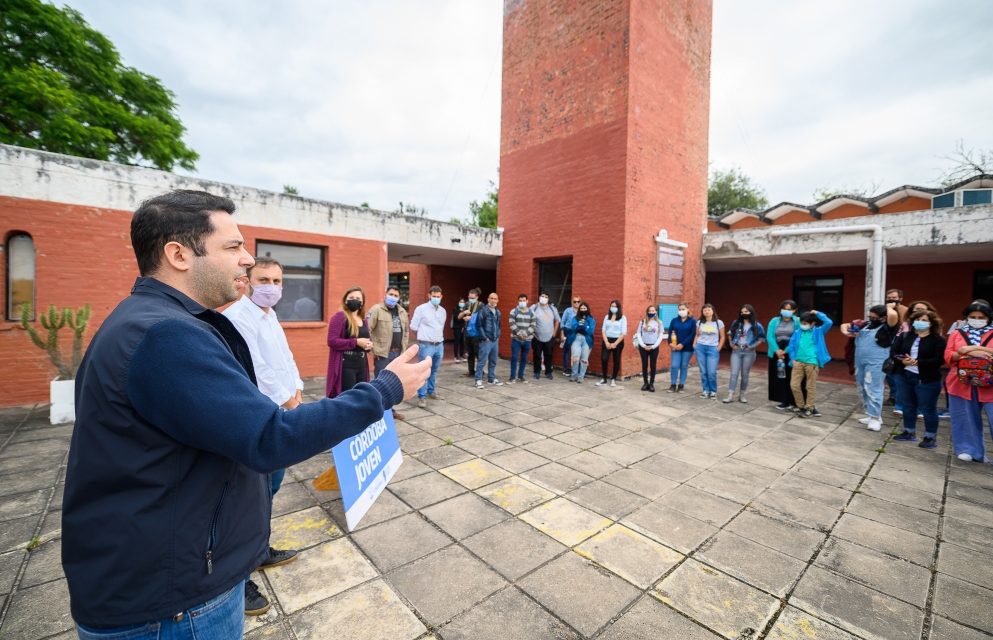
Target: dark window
(555, 279)
(982, 286)
(20, 275)
(303, 280)
(823, 293)
(944, 201)
(977, 196)
(402, 282)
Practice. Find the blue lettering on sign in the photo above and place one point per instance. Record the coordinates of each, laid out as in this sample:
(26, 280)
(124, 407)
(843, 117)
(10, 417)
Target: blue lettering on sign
(365, 463)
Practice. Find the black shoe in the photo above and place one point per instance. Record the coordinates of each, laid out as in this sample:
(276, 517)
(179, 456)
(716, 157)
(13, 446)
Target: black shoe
(672, 388)
(928, 443)
(644, 387)
(255, 603)
(278, 557)
(651, 387)
(906, 436)
(783, 406)
(815, 413)
(891, 401)
(549, 375)
(679, 389)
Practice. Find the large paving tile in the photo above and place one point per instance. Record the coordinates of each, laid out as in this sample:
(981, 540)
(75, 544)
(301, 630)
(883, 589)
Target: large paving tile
(751, 562)
(386, 507)
(968, 511)
(400, 541)
(508, 615)
(484, 445)
(514, 548)
(445, 584)
(303, 529)
(602, 597)
(319, 573)
(590, 464)
(556, 477)
(606, 499)
(639, 560)
(967, 534)
(804, 512)
(882, 537)
(44, 565)
(649, 619)
(892, 492)
(552, 449)
(517, 436)
(701, 505)
(10, 564)
(515, 494)
(16, 534)
(641, 483)
(565, 521)
(963, 602)
(38, 612)
(444, 456)
(794, 624)
(369, 612)
(464, 515)
(724, 604)
(898, 578)
(670, 527)
(858, 609)
(516, 460)
(427, 489)
(782, 535)
(292, 497)
(475, 473)
(942, 629)
(964, 564)
(921, 522)
(23, 505)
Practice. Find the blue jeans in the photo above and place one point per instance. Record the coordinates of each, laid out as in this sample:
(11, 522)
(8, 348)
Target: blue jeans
(869, 379)
(580, 357)
(380, 363)
(487, 359)
(967, 424)
(741, 365)
(436, 352)
(707, 357)
(567, 357)
(918, 397)
(518, 358)
(680, 365)
(222, 618)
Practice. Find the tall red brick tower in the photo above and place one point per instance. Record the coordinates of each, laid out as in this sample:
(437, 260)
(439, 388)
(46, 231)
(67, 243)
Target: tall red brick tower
(603, 144)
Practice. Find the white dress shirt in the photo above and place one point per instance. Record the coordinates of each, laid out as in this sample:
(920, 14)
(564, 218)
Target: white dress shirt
(275, 369)
(429, 322)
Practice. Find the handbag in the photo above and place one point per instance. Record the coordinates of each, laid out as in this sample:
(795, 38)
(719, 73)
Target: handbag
(973, 371)
(889, 364)
(636, 339)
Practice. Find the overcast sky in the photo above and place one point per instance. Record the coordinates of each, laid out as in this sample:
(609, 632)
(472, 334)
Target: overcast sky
(388, 100)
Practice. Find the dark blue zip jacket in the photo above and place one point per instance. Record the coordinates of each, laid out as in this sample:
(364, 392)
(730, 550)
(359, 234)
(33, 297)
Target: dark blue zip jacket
(167, 497)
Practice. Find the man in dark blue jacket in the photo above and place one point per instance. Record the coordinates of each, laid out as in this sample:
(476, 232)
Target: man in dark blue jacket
(488, 326)
(167, 505)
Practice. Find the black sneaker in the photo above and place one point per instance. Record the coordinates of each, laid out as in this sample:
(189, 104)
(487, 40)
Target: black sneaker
(278, 557)
(890, 401)
(651, 387)
(672, 388)
(783, 406)
(644, 387)
(906, 436)
(928, 443)
(255, 603)
(679, 389)
(815, 413)
(806, 413)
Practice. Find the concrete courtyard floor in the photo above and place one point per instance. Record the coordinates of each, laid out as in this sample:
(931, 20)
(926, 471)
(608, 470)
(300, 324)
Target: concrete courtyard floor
(557, 510)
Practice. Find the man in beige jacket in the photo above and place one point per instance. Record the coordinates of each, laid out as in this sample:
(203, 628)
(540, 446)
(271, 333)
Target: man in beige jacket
(389, 326)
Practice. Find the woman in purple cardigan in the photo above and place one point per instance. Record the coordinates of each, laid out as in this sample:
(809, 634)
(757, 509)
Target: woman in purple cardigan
(348, 364)
(349, 344)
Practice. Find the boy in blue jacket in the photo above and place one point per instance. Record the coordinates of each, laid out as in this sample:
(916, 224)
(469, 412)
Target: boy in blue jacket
(807, 355)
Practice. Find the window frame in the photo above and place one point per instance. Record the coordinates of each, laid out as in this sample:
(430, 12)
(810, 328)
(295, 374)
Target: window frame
(974, 204)
(401, 281)
(562, 302)
(837, 314)
(9, 314)
(289, 270)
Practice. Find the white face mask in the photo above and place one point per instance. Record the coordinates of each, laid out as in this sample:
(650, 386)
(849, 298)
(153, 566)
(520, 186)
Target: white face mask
(613, 309)
(543, 300)
(683, 313)
(978, 323)
(804, 326)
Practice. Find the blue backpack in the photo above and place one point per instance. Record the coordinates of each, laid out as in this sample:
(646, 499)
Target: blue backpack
(471, 327)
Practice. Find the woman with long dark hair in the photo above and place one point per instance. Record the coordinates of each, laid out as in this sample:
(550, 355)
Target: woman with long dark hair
(647, 338)
(582, 327)
(709, 341)
(746, 333)
(919, 354)
(614, 329)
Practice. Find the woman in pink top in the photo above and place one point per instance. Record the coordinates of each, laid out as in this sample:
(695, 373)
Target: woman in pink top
(968, 403)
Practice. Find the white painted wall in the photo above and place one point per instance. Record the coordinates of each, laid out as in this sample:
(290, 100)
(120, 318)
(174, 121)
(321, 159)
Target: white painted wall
(38, 175)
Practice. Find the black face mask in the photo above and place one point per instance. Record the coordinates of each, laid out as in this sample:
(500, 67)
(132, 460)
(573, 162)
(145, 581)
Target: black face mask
(875, 322)
(353, 304)
(746, 317)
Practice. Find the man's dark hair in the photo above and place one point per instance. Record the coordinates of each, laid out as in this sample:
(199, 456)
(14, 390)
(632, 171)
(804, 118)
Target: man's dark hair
(810, 317)
(477, 291)
(178, 216)
(434, 289)
(388, 289)
(522, 295)
(264, 261)
(879, 310)
(899, 292)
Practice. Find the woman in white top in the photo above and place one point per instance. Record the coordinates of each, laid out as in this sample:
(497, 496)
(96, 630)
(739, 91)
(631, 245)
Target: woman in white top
(709, 341)
(615, 328)
(648, 338)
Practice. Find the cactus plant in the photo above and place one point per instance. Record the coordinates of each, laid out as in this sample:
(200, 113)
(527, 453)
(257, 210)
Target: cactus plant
(52, 322)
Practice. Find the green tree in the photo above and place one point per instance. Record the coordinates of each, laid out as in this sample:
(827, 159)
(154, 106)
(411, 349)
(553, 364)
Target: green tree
(732, 189)
(484, 214)
(290, 190)
(63, 88)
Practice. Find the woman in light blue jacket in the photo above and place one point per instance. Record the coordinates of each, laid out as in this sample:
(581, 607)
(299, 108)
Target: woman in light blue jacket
(582, 327)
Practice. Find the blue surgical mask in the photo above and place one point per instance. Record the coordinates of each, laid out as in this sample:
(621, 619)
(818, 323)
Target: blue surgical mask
(921, 325)
(435, 301)
(522, 305)
(461, 305)
(786, 313)
(391, 301)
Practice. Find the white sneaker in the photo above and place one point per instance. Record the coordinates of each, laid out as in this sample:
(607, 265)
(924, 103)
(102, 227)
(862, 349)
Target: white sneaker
(866, 420)
(479, 384)
(874, 424)
(613, 383)
(965, 457)
(601, 383)
(511, 381)
(496, 383)
(728, 399)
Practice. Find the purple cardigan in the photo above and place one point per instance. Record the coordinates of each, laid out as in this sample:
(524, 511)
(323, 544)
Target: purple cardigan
(338, 345)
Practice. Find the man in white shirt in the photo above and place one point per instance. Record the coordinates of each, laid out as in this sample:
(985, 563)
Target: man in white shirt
(276, 372)
(429, 323)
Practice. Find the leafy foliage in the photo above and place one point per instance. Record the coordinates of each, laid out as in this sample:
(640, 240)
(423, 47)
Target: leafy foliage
(290, 190)
(484, 214)
(63, 88)
(732, 189)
